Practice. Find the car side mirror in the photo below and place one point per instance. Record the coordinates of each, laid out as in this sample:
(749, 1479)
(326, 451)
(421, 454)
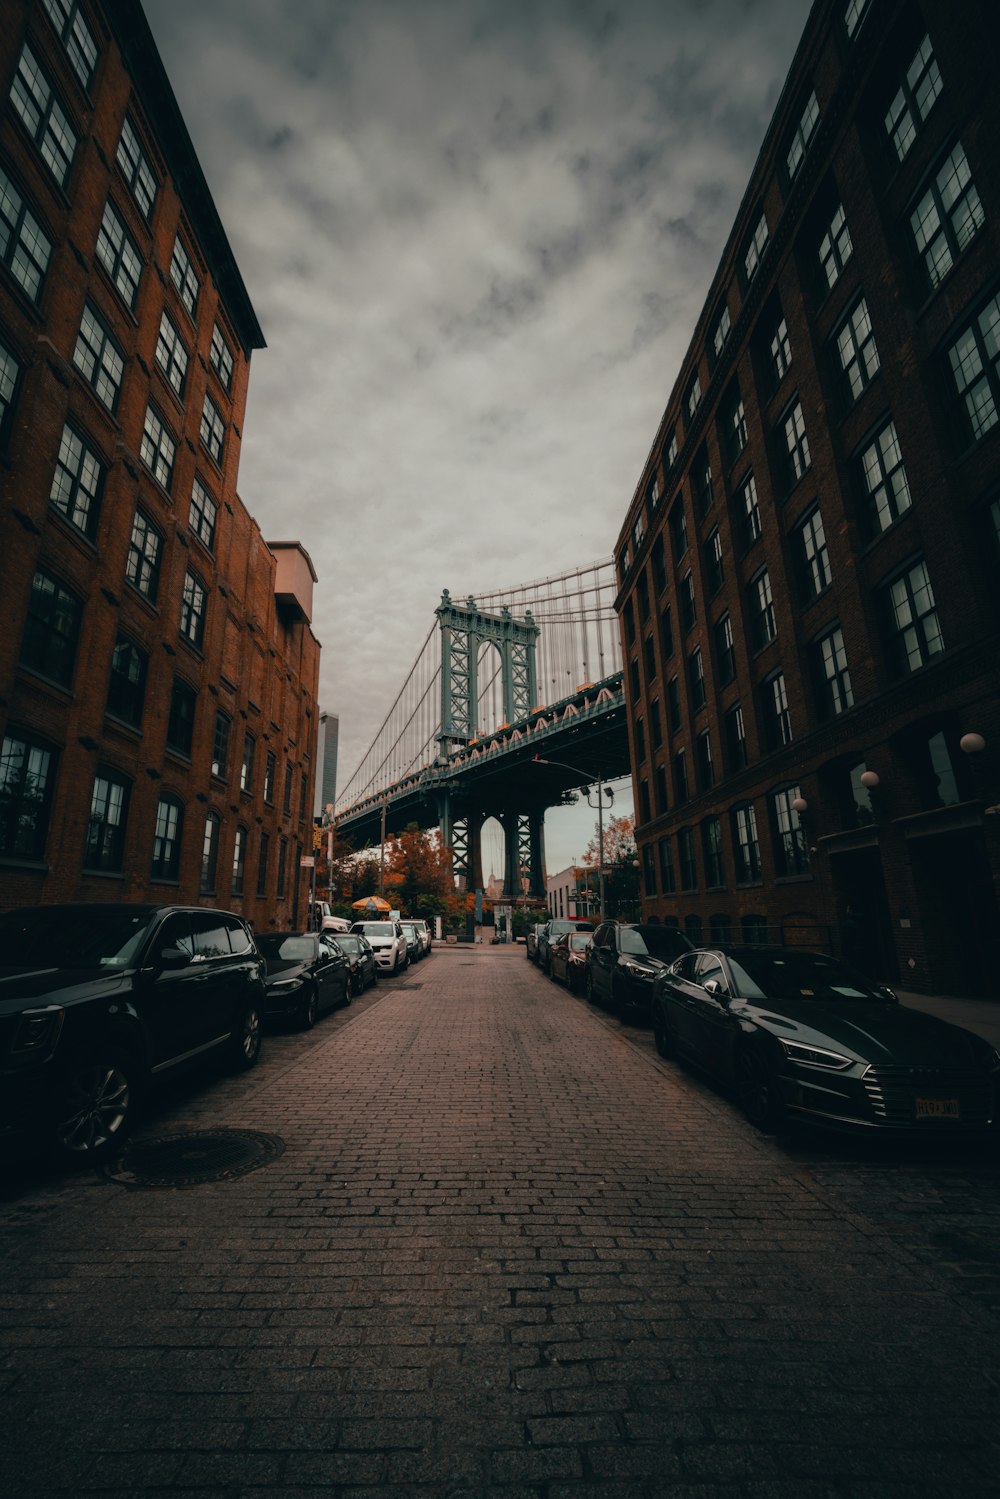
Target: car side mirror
(888, 995)
(171, 958)
(715, 989)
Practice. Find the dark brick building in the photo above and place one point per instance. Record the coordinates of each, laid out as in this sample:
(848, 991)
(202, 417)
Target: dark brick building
(158, 675)
(810, 565)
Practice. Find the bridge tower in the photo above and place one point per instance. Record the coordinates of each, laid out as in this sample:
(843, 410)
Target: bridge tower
(464, 630)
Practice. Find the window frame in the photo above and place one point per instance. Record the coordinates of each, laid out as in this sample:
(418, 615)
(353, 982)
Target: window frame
(105, 853)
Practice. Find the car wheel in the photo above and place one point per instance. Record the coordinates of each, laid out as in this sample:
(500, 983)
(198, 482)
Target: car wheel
(244, 1042)
(308, 1009)
(757, 1091)
(395, 964)
(662, 1034)
(96, 1103)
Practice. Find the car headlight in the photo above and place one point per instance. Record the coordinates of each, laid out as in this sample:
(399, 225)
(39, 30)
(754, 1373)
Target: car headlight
(283, 986)
(38, 1030)
(636, 971)
(815, 1056)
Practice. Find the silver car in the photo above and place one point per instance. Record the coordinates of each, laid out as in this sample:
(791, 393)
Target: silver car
(388, 943)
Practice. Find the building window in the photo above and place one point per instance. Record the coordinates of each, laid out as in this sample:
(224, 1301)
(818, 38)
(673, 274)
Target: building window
(27, 776)
(887, 493)
(833, 678)
(781, 351)
(43, 116)
(815, 573)
(650, 661)
(666, 633)
(659, 562)
(269, 768)
(640, 741)
(167, 839)
(677, 522)
(804, 131)
(239, 861)
(127, 683)
(105, 843)
(653, 493)
(915, 634)
(736, 740)
(628, 614)
(704, 765)
(213, 429)
(790, 853)
(119, 254)
(76, 36)
(99, 359)
(662, 797)
(9, 372)
(136, 169)
(685, 854)
(265, 843)
(696, 681)
(210, 853)
(857, 352)
(702, 481)
(644, 800)
(715, 572)
(623, 563)
(158, 449)
(202, 514)
(633, 671)
(777, 719)
(655, 726)
(246, 764)
(192, 621)
(711, 853)
(171, 355)
(182, 274)
(745, 845)
(721, 331)
(693, 399)
(671, 450)
(648, 870)
(975, 368)
(220, 744)
(796, 443)
(725, 652)
(286, 805)
(303, 792)
(854, 12)
(24, 249)
(748, 519)
(221, 358)
(51, 630)
(947, 217)
(674, 705)
(667, 884)
(685, 594)
(642, 593)
(734, 428)
(282, 866)
(142, 568)
(755, 248)
(76, 483)
(835, 247)
(914, 99)
(761, 610)
(681, 791)
(180, 723)
(638, 531)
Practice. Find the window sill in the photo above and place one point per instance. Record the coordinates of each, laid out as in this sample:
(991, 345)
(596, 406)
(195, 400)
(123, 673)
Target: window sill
(103, 874)
(793, 879)
(26, 866)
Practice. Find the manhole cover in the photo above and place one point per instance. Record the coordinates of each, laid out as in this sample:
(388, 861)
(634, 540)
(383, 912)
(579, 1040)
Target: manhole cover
(194, 1157)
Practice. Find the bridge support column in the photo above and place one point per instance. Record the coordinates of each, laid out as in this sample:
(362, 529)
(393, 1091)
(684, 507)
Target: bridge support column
(524, 855)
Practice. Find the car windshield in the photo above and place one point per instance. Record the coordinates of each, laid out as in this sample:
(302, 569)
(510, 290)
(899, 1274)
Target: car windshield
(288, 949)
(570, 926)
(346, 944)
(55, 937)
(580, 941)
(377, 928)
(653, 942)
(798, 975)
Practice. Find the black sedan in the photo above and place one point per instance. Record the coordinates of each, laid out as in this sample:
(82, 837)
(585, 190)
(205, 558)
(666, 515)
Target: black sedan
(624, 959)
(798, 1035)
(358, 952)
(306, 974)
(568, 959)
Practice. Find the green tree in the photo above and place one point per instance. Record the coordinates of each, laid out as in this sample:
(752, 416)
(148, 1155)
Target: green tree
(418, 872)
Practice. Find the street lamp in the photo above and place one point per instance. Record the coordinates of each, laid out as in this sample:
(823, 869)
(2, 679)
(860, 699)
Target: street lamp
(601, 789)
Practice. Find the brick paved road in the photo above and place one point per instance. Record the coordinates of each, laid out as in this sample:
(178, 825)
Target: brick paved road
(506, 1252)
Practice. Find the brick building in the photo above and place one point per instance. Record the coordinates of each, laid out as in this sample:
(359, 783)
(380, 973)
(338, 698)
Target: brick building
(158, 674)
(810, 565)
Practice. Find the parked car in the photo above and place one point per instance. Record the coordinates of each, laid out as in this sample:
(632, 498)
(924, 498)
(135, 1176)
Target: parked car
(553, 929)
(624, 959)
(97, 1000)
(800, 1036)
(425, 935)
(414, 946)
(531, 941)
(306, 975)
(568, 959)
(360, 956)
(387, 941)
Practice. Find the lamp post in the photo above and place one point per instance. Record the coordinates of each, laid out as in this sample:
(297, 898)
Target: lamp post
(541, 760)
(381, 854)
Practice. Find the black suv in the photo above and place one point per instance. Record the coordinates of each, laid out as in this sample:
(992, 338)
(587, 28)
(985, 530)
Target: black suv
(97, 1000)
(624, 959)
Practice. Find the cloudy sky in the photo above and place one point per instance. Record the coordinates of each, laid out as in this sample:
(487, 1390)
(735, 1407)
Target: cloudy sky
(477, 234)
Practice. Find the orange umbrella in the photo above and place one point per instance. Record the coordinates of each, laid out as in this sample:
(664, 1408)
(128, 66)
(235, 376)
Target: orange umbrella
(374, 902)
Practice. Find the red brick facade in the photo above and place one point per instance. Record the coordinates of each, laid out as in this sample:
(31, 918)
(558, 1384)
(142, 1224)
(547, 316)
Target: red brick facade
(859, 336)
(143, 626)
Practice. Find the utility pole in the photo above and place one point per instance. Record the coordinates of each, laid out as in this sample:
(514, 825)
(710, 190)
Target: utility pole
(381, 857)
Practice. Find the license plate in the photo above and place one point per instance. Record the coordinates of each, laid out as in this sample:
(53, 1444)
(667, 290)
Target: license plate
(937, 1108)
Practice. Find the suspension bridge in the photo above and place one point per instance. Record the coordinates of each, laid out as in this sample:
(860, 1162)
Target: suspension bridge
(514, 700)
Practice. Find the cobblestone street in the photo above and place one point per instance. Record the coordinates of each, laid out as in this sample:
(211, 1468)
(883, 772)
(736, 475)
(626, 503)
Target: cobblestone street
(507, 1251)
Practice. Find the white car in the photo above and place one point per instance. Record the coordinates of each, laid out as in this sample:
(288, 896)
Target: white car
(387, 941)
(424, 933)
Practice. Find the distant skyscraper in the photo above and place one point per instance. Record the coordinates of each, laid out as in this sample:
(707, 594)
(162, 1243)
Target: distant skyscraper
(326, 758)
